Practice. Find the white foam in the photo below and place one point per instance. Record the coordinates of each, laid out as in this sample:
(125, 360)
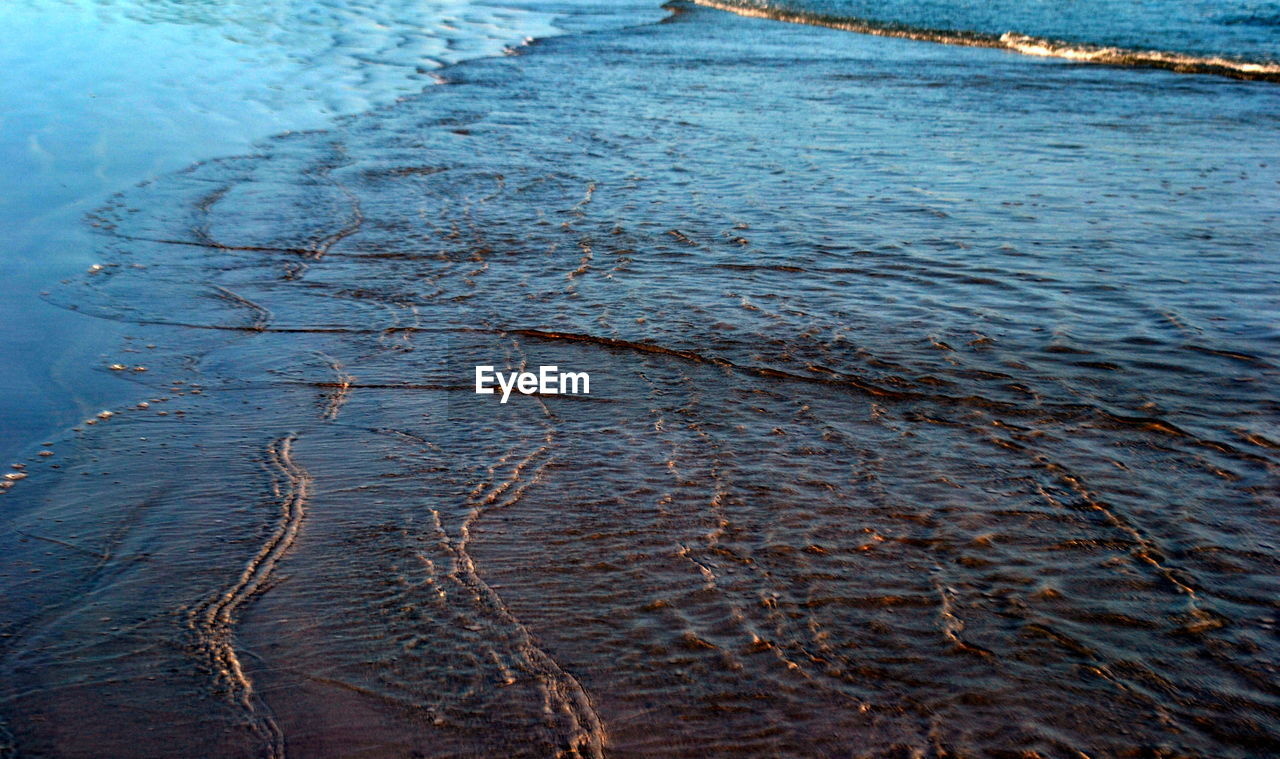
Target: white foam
(1019, 43)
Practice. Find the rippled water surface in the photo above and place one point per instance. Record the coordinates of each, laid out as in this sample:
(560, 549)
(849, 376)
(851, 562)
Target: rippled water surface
(1237, 38)
(98, 95)
(932, 413)
(1247, 29)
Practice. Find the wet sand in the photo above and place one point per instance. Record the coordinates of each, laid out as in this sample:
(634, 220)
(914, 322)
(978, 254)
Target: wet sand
(924, 420)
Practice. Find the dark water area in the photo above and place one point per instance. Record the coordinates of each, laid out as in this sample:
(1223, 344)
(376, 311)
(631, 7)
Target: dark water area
(933, 413)
(1242, 30)
(1237, 38)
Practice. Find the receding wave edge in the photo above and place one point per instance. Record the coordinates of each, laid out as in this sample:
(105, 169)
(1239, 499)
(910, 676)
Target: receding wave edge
(1020, 43)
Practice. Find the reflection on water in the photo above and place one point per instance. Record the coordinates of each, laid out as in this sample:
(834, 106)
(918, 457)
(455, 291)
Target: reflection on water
(101, 94)
(98, 95)
(927, 418)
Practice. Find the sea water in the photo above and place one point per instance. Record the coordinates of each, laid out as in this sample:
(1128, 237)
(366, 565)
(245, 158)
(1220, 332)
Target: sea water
(932, 413)
(100, 95)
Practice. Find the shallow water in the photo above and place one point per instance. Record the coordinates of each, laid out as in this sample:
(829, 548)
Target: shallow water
(1243, 29)
(932, 414)
(1238, 38)
(100, 95)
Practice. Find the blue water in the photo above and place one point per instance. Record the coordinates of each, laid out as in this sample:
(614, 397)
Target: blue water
(100, 95)
(1244, 29)
(1236, 30)
(933, 401)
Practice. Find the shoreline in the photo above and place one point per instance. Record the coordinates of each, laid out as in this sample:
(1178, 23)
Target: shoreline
(54, 246)
(1024, 44)
(840, 464)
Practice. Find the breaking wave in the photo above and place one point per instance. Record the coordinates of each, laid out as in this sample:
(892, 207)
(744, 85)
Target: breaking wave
(1019, 43)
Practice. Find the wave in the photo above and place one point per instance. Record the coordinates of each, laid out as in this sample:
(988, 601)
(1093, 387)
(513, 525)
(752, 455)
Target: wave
(1019, 43)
